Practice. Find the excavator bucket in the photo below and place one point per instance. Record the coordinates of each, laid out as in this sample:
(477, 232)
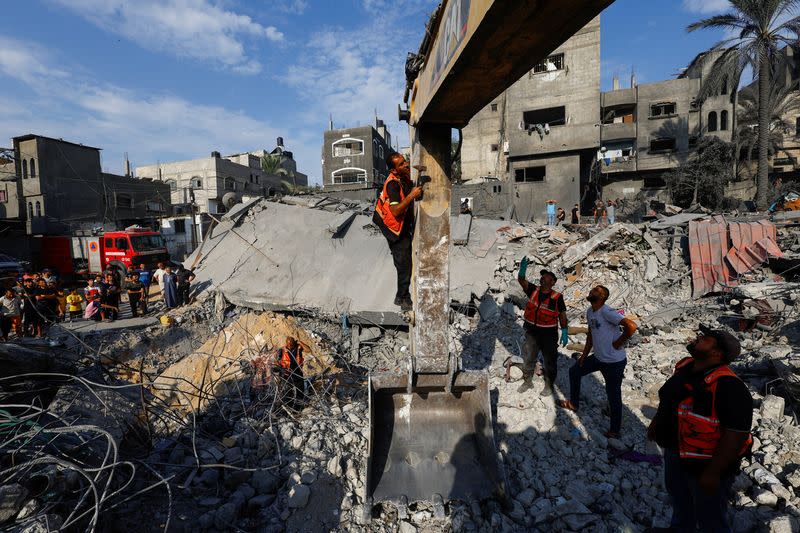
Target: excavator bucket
(430, 444)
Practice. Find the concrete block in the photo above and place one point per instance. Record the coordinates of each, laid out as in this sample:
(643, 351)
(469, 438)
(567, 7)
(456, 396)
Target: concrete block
(460, 233)
(772, 407)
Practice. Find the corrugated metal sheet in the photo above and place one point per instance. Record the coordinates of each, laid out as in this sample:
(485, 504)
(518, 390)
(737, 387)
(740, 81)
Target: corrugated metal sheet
(720, 251)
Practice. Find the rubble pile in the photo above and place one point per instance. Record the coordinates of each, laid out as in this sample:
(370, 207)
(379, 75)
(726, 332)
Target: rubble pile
(196, 444)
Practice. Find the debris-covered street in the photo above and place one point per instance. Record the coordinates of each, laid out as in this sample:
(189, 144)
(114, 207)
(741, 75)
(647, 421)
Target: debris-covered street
(173, 428)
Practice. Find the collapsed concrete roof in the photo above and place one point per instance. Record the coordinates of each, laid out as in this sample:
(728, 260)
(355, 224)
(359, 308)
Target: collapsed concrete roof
(272, 256)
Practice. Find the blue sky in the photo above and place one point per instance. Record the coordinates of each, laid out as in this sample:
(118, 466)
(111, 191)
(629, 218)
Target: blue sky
(176, 79)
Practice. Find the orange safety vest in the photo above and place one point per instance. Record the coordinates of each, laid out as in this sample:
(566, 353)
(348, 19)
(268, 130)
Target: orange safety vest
(541, 314)
(698, 436)
(285, 361)
(382, 207)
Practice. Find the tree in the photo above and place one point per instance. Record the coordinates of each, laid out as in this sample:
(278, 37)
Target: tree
(757, 28)
(271, 163)
(703, 177)
(783, 102)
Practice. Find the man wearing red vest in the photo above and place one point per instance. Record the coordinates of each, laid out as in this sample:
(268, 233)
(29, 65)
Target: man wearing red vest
(703, 423)
(394, 214)
(543, 314)
(289, 365)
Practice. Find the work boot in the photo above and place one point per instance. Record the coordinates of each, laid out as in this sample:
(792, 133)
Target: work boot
(527, 384)
(548, 389)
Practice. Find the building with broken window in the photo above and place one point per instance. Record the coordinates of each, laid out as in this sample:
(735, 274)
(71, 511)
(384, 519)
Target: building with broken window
(212, 184)
(62, 188)
(649, 129)
(354, 160)
(538, 139)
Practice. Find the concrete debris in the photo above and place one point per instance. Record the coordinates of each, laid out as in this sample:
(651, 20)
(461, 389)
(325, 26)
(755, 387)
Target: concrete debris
(238, 454)
(460, 231)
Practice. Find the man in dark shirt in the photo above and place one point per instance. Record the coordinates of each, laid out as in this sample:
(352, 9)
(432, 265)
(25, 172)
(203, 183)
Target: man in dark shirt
(184, 278)
(545, 311)
(135, 293)
(109, 305)
(576, 214)
(703, 423)
(398, 198)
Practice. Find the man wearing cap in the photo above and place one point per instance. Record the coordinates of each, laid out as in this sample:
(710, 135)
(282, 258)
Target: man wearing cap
(543, 314)
(703, 423)
(609, 356)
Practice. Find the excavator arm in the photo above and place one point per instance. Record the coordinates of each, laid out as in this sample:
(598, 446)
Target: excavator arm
(431, 435)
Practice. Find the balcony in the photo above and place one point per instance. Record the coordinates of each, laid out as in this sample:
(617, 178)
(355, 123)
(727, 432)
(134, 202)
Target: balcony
(620, 97)
(618, 164)
(618, 131)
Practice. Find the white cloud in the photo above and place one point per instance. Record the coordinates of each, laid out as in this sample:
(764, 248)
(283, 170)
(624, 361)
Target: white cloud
(706, 7)
(197, 29)
(116, 119)
(294, 7)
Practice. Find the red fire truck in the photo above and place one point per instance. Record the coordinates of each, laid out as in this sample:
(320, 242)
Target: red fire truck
(81, 256)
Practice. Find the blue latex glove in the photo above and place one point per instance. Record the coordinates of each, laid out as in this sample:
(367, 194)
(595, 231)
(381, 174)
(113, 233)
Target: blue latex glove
(523, 268)
(564, 336)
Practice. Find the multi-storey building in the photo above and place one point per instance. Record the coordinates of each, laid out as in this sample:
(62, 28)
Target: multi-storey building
(539, 137)
(354, 160)
(62, 188)
(211, 184)
(647, 130)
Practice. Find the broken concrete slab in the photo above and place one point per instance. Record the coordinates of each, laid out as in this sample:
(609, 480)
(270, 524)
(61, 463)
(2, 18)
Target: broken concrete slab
(460, 233)
(322, 273)
(676, 220)
(661, 255)
(577, 252)
(339, 225)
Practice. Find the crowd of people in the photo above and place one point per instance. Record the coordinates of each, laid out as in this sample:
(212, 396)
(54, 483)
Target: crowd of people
(705, 410)
(39, 299)
(604, 213)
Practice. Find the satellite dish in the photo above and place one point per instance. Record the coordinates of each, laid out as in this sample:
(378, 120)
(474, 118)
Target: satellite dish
(230, 199)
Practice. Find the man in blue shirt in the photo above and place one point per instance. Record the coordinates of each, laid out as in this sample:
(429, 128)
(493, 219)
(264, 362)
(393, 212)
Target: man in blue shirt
(551, 212)
(145, 278)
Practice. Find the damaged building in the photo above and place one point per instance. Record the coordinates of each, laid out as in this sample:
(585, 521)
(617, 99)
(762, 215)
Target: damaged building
(181, 424)
(537, 141)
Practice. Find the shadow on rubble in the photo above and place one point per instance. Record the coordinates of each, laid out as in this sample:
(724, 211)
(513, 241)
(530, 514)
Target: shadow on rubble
(549, 453)
(498, 324)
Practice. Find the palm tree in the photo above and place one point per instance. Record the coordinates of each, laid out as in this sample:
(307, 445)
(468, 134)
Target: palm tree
(271, 163)
(783, 102)
(757, 28)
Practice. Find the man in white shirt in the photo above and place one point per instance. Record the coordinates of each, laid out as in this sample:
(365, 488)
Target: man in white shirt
(609, 356)
(158, 275)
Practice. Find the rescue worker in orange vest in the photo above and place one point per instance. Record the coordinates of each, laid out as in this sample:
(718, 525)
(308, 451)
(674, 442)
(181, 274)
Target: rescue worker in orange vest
(703, 423)
(543, 314)
(289, 366)
(394, 214)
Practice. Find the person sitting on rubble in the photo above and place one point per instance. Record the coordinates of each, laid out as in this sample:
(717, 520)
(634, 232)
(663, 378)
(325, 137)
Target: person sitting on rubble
(289, 366)
(703, 424)
(543, 314)
(609, 356)
(394, 215)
